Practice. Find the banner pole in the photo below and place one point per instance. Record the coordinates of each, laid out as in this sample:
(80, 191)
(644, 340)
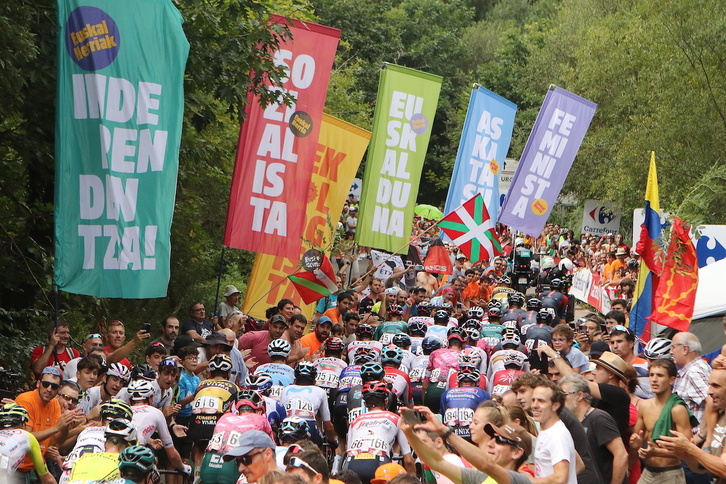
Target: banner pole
(56, 306)
(219, 280)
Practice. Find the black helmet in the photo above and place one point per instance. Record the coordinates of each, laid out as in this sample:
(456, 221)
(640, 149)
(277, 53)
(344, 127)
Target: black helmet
(144, 371)
(545, 316)
(402, 340)
(457, 333)
(516, 299)
(533, 304)
(364, 329)
(556, 284)
(305, 371)
(418, 327)
(431, 343)
(441, 316)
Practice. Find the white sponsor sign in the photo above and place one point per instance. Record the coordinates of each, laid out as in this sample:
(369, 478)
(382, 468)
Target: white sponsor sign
(386, 266)
(600, 218)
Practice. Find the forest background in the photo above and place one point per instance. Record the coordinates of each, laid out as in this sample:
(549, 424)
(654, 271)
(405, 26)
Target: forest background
(657, 70)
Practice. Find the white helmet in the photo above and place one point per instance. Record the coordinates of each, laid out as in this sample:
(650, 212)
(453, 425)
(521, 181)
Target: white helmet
(279, 348)
(140, 389)
(514, 357)
(119, 370)
(658, 348)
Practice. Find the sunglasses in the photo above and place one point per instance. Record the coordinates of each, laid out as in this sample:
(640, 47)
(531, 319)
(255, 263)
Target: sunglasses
(247, 458)
(52, 385)
(69, 398)
(504, 441)
(620, 328)
(94, 335)
(299, 463)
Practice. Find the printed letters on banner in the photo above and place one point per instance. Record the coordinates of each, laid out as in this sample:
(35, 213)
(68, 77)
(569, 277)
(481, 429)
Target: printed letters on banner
(339, 152)
(118, 130)
(483, 147)
(548, 155)
(405, 111)
(277, 148)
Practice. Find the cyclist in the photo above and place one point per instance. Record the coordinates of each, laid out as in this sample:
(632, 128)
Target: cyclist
(292, 431)
(329, 367)
(350, 377)
(419, 365)
(274, 409)
(250, 415)
(418, 330)
(372, 436)
(555, 299)
(92, 439)
(459, 403)
(281, 373)
(136, 466)
(403, 341)
(507, 366)
(363, 337)
(138, 372)
(540, 331)
(515, 314)
(470, 358)
(117, 377)
(96, 466)
(307, 401)
(658, 348)
(491, 332)
(212, 399)
(16, 443)
(441, 363)
(441, 324)
(395, 324)
(368, 372)
(391, 359)
(476, 312)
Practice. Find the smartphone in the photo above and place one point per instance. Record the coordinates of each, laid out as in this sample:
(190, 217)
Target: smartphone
(418, 267)
(146, 327)
(412, 417)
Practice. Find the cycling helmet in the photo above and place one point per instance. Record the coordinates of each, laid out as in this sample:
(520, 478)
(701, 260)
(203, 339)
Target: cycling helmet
(251, 399)
(221, 363)
(476, 312)
(658, 348)
(372, 371)
(305, 371)
(392, 354)
(377, 389)
(402, 340)
(495, 312)
(169, 363)
(364, 354)
(469, 357)
(505, 281)
(395, 309)
(140, 389)
(145, 372)
(431, 343)
(259, 382)
(418, 327)
(119, 370)
(468, 374)
(116, 408)
(447, 307)
(334, 344)
(545, 316)
(279, 348)
(424, 309)
(494, 303)
(510, 338)
(513, 357)
(516, 299)
(137, 457)
(364, 329)
(293, 429)
(556, 284)
(547, 263)
(472, 324)
(441, 316)
(511, 325)
(533, 304)
(13, 415)
(122, 429)
(456, 333)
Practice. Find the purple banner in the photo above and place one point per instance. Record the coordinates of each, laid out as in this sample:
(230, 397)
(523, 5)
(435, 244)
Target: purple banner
(558, 132)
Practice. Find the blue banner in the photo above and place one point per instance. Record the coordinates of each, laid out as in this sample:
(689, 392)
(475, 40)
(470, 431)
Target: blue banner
(484, 144)
(556, 137)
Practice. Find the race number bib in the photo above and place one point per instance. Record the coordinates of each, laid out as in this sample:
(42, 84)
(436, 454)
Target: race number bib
(458, 417)
(206, 405)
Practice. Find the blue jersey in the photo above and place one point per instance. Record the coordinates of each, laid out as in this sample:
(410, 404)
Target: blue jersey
(275, 412)
(458, 405)
(349, 377)
(281, 374)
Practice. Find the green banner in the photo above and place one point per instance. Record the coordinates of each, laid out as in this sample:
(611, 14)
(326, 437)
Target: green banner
(405, 111)
(118, 128)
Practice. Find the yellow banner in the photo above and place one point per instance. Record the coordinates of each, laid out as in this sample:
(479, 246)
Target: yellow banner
(340, 150)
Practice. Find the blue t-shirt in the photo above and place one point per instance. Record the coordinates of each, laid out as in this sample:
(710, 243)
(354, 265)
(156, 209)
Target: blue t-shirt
(188, 384)
(326, 303)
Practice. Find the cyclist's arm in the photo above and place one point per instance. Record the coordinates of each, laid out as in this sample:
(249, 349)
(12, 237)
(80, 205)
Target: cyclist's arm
(37, 456)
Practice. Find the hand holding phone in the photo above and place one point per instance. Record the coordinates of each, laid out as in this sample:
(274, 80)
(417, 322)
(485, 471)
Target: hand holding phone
(146, 327)
(412, 417)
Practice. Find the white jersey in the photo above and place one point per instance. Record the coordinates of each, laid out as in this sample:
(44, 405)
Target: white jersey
(418, 368)
(147, 420)
(91, 398)
(329, 370)
(160, 399)
(375, 433)
(407, 361)
(440, 332)
(15, 444)
(91, 440)
(305, 401)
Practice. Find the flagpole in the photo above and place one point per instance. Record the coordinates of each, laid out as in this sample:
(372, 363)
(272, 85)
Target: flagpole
(219, 280)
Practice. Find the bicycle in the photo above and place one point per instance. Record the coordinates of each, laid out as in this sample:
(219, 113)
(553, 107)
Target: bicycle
(186, 479)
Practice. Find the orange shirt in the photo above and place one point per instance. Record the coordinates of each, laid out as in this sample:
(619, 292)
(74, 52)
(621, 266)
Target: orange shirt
(334, 315)
(42, 417)
(311, 342)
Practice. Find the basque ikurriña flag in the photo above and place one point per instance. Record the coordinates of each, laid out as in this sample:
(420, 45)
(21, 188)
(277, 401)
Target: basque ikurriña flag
(650, 267)
(472, 230)
(316, 283)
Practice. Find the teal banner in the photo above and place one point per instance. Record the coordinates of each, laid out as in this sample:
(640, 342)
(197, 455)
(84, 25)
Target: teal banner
(118, 127)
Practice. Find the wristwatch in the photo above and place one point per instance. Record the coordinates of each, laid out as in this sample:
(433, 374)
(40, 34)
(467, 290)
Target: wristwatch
(448, 433)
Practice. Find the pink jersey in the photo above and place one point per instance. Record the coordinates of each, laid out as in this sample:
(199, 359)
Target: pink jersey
(230, 427)
(441, 363)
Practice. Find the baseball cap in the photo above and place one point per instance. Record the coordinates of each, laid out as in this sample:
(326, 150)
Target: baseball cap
(278, 318)
(514, 433)
(386, 472)
(391, 290)
(460, 256)
(216, 339)
(253, 439)
(229, 290)
(323, 320)
(182, 341)
(52, 370)
(598, 348)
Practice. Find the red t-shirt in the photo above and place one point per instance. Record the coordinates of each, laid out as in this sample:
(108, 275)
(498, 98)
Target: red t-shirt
(256, 341)
(124, 362)
(59, 360)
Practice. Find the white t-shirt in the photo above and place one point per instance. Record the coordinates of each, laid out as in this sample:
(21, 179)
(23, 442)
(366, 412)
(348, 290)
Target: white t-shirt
(555, 445)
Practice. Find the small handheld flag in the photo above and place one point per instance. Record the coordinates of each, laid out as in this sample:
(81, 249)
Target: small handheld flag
(316, 282)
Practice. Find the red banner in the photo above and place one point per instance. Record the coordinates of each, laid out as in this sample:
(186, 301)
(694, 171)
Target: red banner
(276, 150)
